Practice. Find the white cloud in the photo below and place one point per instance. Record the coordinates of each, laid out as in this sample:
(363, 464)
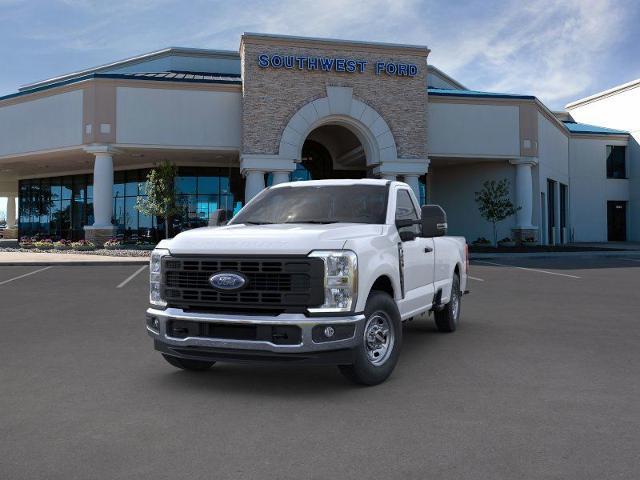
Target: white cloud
(545, 48)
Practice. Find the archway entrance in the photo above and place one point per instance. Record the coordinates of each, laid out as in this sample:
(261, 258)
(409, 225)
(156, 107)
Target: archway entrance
(333, 151)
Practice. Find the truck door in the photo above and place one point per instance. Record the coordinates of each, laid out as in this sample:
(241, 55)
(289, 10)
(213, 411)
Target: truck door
(418, 258)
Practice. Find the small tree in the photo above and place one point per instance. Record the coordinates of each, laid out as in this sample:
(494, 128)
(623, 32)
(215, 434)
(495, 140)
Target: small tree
(494, 203)
(160, 191)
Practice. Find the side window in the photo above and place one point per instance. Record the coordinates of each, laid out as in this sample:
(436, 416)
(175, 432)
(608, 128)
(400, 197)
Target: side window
(405, 210)
(616, 164)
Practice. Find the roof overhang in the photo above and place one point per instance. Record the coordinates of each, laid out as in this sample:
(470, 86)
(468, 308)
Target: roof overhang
(468, 96)
(448, 78)
(605, 93)
(145, 57)
(419, 50)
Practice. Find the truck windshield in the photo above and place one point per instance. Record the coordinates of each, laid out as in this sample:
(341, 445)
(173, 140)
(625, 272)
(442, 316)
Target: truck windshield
(317, 204)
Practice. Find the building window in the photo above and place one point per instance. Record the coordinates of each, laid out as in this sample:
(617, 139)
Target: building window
(616, 161)
(130, 224)
(55, 207)
(201, 191)
(298, 175)
(551, 211)
(422, 182)
(564, 199)
(60, 207)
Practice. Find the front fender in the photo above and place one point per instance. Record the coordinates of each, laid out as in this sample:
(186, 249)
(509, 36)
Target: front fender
(377, 257)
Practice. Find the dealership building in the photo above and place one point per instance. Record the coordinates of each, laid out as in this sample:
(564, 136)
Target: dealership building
(75, 149)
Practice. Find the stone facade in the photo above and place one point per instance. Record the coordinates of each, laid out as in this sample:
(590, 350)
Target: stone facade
(272, 96)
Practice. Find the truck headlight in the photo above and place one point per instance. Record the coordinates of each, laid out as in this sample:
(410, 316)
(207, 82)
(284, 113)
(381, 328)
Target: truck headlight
(340, 280)
(155, 277)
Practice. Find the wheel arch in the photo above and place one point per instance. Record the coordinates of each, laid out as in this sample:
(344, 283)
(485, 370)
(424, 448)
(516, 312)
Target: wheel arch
(382, 279)
(384, 284)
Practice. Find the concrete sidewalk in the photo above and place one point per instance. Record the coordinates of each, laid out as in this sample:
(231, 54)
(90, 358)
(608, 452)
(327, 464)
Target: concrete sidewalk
(33, 258)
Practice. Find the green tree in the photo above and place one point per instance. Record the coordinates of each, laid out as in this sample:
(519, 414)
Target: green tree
(160, 191)
(494, 203)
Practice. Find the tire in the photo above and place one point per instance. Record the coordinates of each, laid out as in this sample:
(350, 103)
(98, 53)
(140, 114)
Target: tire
(447, 319)
(186, 364)
(376, 356)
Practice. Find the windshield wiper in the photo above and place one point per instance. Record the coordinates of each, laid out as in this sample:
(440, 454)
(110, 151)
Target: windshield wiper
(258, 223)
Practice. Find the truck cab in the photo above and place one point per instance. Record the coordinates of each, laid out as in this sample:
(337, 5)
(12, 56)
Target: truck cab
(308, 272)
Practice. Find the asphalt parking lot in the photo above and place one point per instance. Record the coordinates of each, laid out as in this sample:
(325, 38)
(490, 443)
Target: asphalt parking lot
(541, 381)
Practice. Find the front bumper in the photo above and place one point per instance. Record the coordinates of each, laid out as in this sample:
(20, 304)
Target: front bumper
(308, 348)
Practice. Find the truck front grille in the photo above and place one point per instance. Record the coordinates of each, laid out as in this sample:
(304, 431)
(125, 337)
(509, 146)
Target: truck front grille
(286, 283)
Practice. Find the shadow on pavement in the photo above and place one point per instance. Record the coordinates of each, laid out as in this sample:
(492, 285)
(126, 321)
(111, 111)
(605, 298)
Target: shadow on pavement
(286, 380)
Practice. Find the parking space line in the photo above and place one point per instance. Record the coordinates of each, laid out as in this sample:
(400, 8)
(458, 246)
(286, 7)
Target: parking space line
(475, 278)
(132, 276)
(529, 269)
(25, 275)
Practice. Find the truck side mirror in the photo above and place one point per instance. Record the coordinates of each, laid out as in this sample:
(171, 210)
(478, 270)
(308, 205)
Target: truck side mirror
(434, 221)
(218, 218)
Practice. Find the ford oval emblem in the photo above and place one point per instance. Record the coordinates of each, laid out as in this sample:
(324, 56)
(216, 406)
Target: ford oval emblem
(227, 281)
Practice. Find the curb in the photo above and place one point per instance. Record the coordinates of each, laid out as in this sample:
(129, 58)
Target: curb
(89, 263)
(595, 253)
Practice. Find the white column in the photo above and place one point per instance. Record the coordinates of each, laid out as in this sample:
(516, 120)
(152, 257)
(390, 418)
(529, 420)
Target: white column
(254, 183)
(253, 167)
(388, 176)
(524, 193)
(103, 189)
(280, 177)
(11, 212)
(414, 183)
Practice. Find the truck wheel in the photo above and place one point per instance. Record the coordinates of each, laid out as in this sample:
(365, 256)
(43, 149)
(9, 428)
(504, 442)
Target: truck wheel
(447, 318)
(377, 354)
(186, 364)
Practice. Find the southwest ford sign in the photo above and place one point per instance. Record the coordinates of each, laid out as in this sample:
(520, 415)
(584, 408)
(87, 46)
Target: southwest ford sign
(334, 64)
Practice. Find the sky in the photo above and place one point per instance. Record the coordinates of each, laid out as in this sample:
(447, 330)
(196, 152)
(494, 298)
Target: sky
(557, 50)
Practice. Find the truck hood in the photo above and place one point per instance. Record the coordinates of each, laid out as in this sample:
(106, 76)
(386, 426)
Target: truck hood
(269, 239)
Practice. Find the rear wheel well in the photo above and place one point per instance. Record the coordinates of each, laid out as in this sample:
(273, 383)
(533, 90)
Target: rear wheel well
(383, 284)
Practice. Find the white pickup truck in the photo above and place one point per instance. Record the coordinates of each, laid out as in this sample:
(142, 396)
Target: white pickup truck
(319, 272)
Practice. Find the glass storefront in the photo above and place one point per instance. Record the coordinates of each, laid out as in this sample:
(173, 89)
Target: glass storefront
(201, 191)
(60, 207)
(55, 207)
(422, 182)
(298, 175)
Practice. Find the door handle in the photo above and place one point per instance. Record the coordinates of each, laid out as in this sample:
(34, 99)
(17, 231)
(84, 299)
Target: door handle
(428, 249)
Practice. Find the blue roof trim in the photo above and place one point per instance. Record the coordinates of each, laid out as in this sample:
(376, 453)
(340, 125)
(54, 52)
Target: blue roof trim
(444, 92)
(585, 128)
(226, 80)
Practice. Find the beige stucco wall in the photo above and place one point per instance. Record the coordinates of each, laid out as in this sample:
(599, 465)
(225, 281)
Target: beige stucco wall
(271, 96)
(178, 117)
(467, 129)
(54, 121)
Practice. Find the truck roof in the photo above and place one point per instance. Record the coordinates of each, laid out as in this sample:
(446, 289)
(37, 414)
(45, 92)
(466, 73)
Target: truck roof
(321, 183)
